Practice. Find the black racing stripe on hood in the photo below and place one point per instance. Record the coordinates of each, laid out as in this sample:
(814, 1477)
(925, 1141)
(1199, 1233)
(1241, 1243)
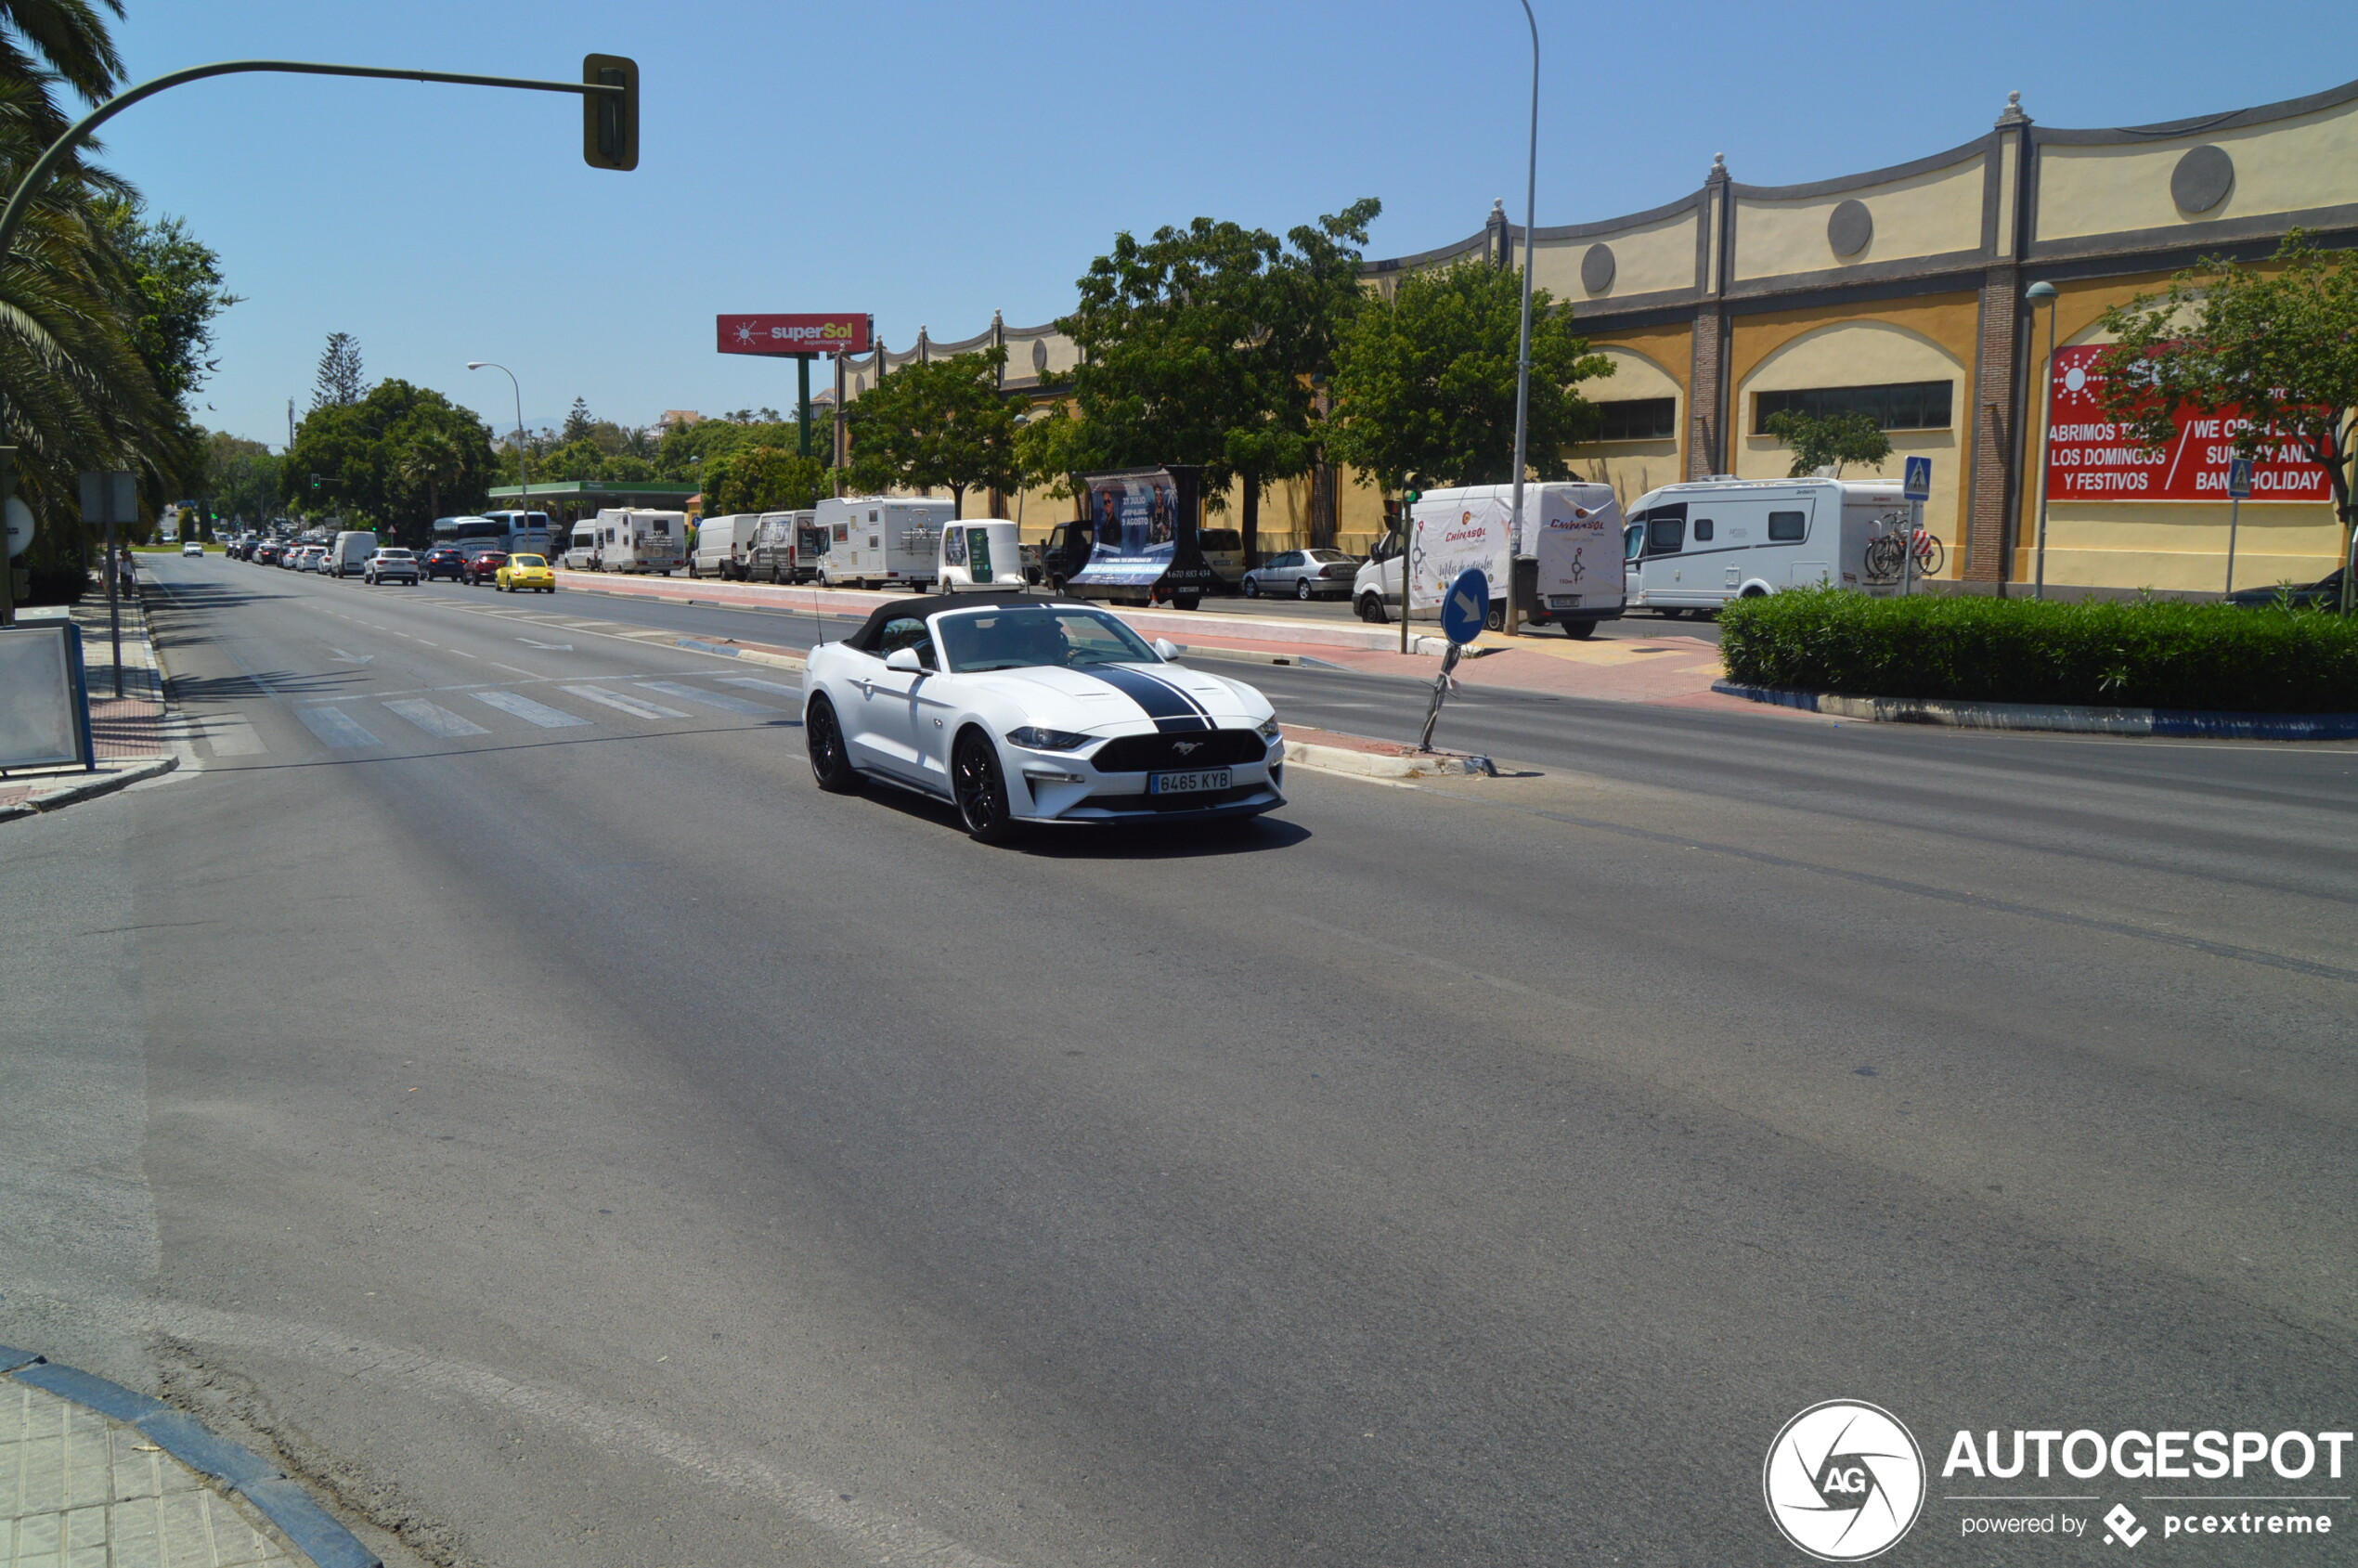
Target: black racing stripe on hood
(1172, 708)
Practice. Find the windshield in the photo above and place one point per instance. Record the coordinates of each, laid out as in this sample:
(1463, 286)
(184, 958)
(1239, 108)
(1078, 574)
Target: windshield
(393, 556)
(1319, 556)
(525, 561)
(1023, 636)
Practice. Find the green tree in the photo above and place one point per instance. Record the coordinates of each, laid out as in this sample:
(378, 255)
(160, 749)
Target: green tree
(364, 456)
(1425, 383)
(938, 424)
(762, 479)
(1206, 344)
(242, 478)
(2277, 344)
(45, 41)
(1828, 440)
(339, 383)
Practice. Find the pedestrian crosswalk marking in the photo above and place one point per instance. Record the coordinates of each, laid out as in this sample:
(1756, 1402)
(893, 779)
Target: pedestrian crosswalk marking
(335, 727)
(756, 681)
(531, 712)
(710, 699)
(435, 720)
(229, 734)
(627, 704)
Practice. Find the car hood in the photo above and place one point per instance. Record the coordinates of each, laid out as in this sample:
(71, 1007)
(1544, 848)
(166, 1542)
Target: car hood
(1107, 698)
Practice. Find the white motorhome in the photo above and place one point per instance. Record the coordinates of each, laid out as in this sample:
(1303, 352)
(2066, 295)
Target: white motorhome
(630, 539)
(1567, 565)
(982, 554)
(348, 557)
(1714, 540)
(723, 544)
(876, 539)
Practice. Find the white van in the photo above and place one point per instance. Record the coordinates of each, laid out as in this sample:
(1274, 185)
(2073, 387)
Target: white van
(722, 545)
(1716, 539)
(348, 556)
(1568, 565)
(786, 548)
(633, 541)
(876, 539)
(581, 549)
(985, 554)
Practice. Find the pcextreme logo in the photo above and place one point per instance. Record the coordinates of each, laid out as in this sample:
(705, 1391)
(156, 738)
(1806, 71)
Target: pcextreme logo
(1843, 1481)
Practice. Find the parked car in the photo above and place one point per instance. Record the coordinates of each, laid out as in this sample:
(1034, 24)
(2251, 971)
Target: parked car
(445, 561)
(391, 567)
(1040, 711)
(2325, 593)
(1224, 552)
(520, 572)
(1303, 573)
(191, 548)
(484, 565)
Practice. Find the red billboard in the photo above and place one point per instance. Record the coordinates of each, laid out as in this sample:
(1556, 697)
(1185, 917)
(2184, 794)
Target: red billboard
(794, 334)
(2091, 458)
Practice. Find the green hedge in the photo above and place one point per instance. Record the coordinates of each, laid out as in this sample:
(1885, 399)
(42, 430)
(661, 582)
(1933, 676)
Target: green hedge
(1970, 649)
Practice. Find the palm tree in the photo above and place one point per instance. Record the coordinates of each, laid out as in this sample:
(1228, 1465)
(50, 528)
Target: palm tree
(72, 45)
(433, 459)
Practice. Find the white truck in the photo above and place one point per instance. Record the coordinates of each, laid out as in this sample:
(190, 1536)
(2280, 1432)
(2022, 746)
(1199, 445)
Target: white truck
(630, 539)
(723, 544)
(1711, 540)
(877, 539)
(979, 555)
(1565, 571)
(348, 556)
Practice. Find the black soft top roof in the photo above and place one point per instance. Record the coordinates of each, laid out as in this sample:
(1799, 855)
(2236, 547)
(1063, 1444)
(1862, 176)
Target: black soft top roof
(926, 604)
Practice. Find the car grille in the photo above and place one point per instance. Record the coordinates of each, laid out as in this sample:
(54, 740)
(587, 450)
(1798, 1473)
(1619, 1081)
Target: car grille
(1142, 753)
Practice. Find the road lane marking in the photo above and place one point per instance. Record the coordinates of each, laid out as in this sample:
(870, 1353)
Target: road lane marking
(627, 704)
(335, 727)
(230, 735)
(435, 720)
(710, 699)
(756, 680)
(531, 712)
(534, 674)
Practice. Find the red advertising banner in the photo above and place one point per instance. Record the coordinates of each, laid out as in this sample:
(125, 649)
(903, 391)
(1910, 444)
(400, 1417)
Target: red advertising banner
(2091, 458)
(794, 334)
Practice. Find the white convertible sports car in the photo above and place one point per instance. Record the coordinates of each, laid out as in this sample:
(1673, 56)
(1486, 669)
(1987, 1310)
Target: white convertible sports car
(1023, 710)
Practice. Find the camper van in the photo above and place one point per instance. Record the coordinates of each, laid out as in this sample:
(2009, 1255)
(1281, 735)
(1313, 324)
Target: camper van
(786, 548)
(722, 546)
(876, 539)
(348, 557)
(633, 541)
(581, 549)
(1567, 567)
(1714, 540)
(979, 555)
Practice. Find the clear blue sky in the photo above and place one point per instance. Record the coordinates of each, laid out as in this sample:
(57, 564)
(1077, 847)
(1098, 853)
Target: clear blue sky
(931, 162)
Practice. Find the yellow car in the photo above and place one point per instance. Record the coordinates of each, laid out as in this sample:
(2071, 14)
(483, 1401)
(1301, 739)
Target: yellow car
(523, 572)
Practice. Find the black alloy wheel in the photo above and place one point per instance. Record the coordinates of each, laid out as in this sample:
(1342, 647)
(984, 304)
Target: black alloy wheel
(982, 792)
(829, 763)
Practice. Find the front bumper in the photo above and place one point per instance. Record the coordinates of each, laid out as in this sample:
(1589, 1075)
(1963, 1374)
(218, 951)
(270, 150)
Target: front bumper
(1069, 787)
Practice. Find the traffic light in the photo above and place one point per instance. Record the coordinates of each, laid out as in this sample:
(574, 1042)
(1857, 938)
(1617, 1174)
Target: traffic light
(610, 123)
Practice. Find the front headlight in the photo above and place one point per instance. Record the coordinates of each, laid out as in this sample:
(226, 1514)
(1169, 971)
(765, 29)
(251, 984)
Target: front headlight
(1033, 738)
(1269, 728)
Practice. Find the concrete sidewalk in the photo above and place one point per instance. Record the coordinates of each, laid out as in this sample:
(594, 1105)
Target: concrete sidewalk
(93, 1475)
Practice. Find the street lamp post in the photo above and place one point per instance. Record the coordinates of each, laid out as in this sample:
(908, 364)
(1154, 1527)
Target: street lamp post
(524, 470)
(2041, 293)
(1522, 354)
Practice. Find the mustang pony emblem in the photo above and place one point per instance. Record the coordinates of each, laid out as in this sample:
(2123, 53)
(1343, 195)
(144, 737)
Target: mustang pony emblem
(1182, 747)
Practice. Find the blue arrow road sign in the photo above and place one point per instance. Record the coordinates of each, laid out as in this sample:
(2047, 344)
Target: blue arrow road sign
(1919, 479)
(2239, 478)
(1467, 606)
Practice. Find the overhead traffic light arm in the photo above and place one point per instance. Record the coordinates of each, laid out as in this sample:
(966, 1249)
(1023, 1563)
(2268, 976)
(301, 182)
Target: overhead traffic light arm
(607, 80)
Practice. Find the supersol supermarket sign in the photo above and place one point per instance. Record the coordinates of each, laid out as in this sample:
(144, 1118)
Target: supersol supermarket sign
(2089, 457)
(794, 334)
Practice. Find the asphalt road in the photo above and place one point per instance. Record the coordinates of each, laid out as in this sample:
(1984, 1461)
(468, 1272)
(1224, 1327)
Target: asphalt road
(570, 1138)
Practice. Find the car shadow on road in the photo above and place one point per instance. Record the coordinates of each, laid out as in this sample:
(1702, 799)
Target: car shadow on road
(1145, 841)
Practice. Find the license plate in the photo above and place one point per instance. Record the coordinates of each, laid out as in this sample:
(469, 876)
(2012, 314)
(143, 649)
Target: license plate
(1563, 602)
(1188, 783)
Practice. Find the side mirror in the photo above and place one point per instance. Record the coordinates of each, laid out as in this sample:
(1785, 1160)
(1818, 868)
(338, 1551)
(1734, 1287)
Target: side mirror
(906, 661)
(1166, 647)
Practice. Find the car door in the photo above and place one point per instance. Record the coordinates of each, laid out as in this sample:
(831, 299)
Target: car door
(883, 732)
(1665, 550)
